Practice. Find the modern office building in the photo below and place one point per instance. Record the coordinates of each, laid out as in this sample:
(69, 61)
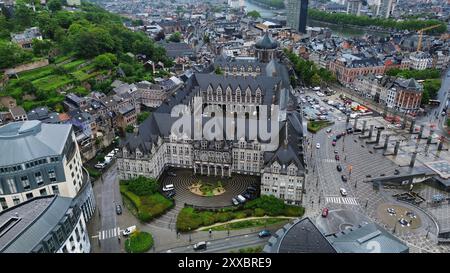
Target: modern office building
(354, 7)
(297, 15)
(44, 224)
(39, 159)
(385, 8)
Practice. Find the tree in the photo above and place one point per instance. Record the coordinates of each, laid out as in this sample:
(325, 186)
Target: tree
(254, 14)
(105, 61)
(11, 55)
(54, 5)
(206, 39)
(175, 37)
(142, 117)
(143, 186)
(160, 36)
(42, 47)
(218, 70)
(316, 80)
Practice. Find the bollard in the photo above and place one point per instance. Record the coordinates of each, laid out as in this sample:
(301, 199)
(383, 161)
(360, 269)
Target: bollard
(397, 144)
(413, 159)
(378, 136)
(411, 128)
(356, 122)
(386, 141)
(421, 131)
(371, 131)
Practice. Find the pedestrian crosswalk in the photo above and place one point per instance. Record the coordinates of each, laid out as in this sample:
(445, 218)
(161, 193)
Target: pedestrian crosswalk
(109, 233)
(341, 200)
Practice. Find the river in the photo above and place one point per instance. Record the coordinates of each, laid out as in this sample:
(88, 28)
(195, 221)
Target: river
(338, 30)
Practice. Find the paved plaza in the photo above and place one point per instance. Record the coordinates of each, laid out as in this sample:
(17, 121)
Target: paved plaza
(362, 160)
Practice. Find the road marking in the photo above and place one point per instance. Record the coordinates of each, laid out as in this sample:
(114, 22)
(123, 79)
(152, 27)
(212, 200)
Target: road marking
(341, 200)
(109, 233)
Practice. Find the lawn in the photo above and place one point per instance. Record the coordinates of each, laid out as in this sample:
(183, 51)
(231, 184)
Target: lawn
(52, 82)
(250, 223)
(147, 206)
(315, 126)
(34, 74)
(139, 242)
(191, 219)
(73, 65)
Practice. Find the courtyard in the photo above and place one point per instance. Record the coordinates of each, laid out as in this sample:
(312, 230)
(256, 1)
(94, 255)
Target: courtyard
(218, 190)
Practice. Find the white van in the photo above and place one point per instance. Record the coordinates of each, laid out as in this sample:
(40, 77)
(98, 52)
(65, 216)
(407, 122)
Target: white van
(108, 159)
(129, 230)
(168, 187)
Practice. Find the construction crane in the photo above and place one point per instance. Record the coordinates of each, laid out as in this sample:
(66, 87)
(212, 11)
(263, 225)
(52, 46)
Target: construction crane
(420, 32)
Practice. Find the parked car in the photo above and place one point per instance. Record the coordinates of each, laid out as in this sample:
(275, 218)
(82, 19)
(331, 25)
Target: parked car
(247, 195)
(264, 233)
(118, 209)
(251, 189)
(329, 130)
(241, 199)
(171, 194)
(235, 201)
(100, 165)
(318, 145)
(172, 174)
(168, 187)
(343, 192)
(339, 168)
(324, 212)
(200, 246)
(344, 178)
(333, 143)
(107, 159)
(349, 130)
(129, 230)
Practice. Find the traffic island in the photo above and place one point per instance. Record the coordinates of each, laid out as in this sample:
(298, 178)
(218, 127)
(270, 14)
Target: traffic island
(139, 242)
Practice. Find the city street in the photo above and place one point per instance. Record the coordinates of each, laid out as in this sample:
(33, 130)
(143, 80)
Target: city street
(223, 245)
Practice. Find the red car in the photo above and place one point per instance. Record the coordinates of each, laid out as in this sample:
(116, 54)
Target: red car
(324, 212)
(336, 157)
(333, 143)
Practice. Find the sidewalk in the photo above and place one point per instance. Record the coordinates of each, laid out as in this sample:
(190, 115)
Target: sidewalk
(241, 220)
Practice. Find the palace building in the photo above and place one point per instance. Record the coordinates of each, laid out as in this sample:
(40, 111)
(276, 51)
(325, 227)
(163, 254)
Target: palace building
(241, 92)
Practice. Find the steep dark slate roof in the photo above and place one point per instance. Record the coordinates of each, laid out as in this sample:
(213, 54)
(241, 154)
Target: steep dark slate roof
(264, 83)
(266, 42)
(304, 237)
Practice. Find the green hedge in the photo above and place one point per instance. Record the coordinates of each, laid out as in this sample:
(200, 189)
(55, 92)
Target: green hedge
(191, 219)
(139, 242)
(147, 206)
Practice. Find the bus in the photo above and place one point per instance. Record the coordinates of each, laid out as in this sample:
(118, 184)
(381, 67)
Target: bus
(434, 102)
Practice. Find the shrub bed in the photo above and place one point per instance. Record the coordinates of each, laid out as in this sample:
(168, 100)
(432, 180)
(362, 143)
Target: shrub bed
(147, 206)
(139, 242)
(191, 219)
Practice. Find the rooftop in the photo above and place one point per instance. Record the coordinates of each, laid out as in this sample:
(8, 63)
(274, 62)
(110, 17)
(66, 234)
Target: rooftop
(22, 227)
(25, 140)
